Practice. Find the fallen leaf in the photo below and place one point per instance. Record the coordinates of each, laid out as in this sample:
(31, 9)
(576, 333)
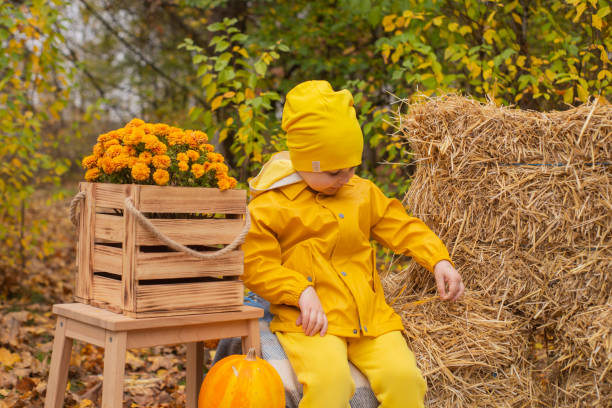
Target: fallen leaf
(25, 384)
(133, 361)
(7, 358)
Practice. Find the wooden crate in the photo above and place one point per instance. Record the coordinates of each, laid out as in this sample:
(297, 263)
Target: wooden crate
(124, 268)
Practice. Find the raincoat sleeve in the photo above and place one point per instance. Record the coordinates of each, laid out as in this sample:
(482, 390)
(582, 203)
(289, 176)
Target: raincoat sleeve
(395, 229)
(263, 271)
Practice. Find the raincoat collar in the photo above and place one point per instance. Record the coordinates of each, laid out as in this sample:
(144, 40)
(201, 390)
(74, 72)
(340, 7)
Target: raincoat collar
(278, 173)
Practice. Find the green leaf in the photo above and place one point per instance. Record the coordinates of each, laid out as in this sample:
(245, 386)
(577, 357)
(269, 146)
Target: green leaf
(216, 27)
(226, 75)
(240, 38)
(261, 68)
(221, 46)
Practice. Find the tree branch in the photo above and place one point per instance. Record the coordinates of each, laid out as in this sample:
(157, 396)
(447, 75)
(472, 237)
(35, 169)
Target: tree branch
(139, 54)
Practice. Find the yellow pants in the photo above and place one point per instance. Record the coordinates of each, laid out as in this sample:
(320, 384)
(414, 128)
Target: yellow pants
(321, 366)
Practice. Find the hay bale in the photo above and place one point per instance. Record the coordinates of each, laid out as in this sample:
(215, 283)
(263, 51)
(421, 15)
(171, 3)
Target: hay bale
(523, 200)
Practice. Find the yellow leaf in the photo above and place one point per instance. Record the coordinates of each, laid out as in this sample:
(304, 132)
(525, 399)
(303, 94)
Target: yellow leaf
(385, 53)
(7, 358)
(583, 94)
(223, 135)
(488, 35)
(229, 121)
(568, 96)
(517, 18)
(398, 53)
(579, 10)
(604, 73)
(243, 52)
(424, 65)
(465, 30)
(387, 22)
(229, 94)
(550, 74)
(249, 94)
(520, 61)
(453, 27)
(438, 20)
(216, 102)
(206, 79)
(597, 22)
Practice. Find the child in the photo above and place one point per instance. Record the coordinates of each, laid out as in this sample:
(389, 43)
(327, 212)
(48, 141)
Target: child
(308, 253)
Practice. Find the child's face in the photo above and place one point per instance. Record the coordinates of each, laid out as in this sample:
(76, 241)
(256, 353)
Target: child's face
(327, 182)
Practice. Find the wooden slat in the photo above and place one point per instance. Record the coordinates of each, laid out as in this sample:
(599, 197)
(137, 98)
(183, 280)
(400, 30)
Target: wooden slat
(167, 265)
(111, 195)
(179, 296)
(183, 312)
(107, 259)
(85, 244)
(191, 200)
(192, 232)
(129, 252)
(117, 322)
(109, 228)
(186, 334)
(107, 290)
(85, 332)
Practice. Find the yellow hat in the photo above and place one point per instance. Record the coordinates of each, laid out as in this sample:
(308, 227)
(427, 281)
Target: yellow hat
(322, 129)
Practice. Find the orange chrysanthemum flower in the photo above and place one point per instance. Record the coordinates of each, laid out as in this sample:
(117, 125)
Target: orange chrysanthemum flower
(113, 151)
(193, 155)
(120, 162)
(92, 174)
(159, 148)
(215, 157)
(207, 147)
(197, 170)
(135, 122)
(183, 166)
(89, 162)
(145, 157)
(150, 141)
(161, 161)
(134, 137)
(161, 177)
(140, 171)
(98, 150)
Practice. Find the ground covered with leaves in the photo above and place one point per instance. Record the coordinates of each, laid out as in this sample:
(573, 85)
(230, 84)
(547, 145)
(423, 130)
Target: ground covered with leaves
(154, 377)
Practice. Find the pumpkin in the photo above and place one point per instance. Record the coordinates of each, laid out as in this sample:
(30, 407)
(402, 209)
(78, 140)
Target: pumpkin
(243, 382)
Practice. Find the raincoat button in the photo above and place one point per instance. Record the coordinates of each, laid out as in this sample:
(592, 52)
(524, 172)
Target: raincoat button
(309, 279)
(354, 331)
(341, 215)
(365, 329)
(343, 273)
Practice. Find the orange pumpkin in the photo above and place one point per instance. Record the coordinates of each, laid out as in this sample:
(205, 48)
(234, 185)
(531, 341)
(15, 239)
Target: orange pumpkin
(240, 381)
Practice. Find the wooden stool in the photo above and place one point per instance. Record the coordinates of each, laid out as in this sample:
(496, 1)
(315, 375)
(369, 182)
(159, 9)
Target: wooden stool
(116, 333)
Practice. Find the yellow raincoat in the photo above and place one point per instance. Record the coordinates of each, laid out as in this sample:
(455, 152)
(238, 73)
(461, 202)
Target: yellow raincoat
(301, 238)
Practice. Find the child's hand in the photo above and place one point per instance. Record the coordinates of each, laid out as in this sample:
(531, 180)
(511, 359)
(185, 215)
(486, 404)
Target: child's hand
(313, 318)
(447, 275)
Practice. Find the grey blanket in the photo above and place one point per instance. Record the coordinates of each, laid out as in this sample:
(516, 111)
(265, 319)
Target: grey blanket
(274, 354)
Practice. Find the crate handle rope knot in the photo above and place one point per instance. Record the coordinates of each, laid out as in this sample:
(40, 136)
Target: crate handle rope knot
(144, 221)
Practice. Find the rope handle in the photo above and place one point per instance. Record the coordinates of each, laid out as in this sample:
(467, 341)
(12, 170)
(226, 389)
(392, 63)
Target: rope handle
(78, 198)
(144, 221)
